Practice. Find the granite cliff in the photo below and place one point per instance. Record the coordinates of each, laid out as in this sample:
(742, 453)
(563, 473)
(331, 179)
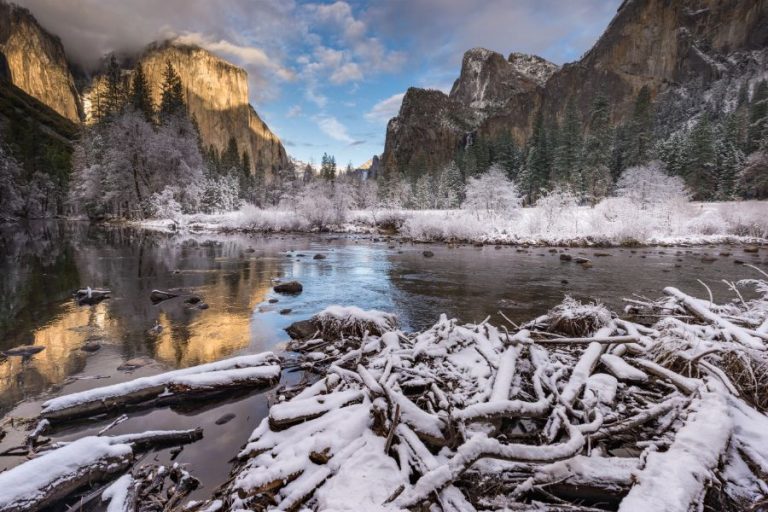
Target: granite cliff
(688, 53)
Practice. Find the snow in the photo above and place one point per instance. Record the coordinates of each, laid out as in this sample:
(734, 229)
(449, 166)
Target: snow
(621, 369)
(612, 222)
(674, 479)
(182, 376)
(364, 482)
(24, 483)
(117, 494)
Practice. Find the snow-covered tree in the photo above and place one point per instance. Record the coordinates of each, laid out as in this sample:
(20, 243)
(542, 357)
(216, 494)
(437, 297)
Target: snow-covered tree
(492, 194)
(648, 185)
(10, 194)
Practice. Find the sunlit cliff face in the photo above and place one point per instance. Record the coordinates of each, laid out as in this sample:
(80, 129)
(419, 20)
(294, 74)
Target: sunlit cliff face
(216, 93)
(37, 62)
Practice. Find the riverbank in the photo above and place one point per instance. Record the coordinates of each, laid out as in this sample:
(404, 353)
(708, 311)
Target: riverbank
(575, 408)
(611, 223)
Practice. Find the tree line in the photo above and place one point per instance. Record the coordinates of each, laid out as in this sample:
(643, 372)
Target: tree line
(720, 156)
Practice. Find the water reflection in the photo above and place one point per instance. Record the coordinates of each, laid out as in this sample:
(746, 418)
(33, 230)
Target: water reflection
(43, 263)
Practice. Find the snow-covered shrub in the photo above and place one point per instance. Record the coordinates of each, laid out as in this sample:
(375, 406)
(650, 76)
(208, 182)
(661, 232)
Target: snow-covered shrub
(492, 194)
(315, 203)
(554, 213)
(436, 225)
(648, 185)
(163, 205)
(746, 218)
(350, 321)
(709, 222)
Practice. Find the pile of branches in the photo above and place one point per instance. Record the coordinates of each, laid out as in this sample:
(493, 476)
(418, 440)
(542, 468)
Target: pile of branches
(577, 410)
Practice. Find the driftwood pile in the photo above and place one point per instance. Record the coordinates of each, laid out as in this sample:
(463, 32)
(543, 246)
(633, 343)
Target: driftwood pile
(576, 410)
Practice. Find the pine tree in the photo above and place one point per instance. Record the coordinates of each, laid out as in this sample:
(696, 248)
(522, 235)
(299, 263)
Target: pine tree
(700, 170)
(535, 177)
(596, 173)
(567, 152)
(507, 155)
(328, 167)
(114, 97)
(640, 128)
(141, 94)
(172, 98)
(230, 157)
(758, 116)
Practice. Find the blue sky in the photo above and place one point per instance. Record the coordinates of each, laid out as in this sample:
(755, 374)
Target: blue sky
(326, 76)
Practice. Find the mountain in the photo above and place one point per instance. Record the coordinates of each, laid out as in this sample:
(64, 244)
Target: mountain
(216, 91)
(35, 61)
(688, 55)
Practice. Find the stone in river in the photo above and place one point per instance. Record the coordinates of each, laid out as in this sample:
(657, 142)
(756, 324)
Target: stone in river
(318, 257)
(91, 346)
(225, 419)
(158, 296)
(301, 330)
(428, 254)
(290, 287)
(23, 351)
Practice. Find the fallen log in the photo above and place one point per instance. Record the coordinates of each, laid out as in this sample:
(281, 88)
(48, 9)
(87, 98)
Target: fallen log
(55, 475)
(677, 479)
(256, 370)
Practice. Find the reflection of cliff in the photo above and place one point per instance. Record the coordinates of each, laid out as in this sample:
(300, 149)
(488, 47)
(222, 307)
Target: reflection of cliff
(135, 263)
(62, 338)
(131, 264)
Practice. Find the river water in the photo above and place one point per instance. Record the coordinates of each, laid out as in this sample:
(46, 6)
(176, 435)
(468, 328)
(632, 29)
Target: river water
(40, 265)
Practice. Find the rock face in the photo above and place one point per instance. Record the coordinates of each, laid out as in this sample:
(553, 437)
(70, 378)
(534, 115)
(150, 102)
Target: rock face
(671, 46)
(35, 61)
(217, 96)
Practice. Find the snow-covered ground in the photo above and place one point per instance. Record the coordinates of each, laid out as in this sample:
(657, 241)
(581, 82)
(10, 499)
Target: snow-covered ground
(611, 222)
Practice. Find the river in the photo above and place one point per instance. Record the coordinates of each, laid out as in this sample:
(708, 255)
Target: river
(42, 263)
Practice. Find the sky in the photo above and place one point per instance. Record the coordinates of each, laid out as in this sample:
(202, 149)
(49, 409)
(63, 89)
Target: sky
(327, 76)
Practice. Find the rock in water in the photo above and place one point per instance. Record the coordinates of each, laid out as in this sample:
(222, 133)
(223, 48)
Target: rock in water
(291, 287)
(319, 257)
(192, 300)
(285, 311)
(565, 257)
(225, 419)
(91, 346)
(428, 254)
(23, 351)
(301, 330)
(158, 296)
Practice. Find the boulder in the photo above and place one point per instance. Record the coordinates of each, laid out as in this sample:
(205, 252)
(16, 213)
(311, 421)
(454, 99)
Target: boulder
(290, 287)
(158, 296)
(428, 254)
(301, 330)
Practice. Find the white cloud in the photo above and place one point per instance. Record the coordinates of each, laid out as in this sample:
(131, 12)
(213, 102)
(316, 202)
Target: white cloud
(294, 111)
(386, 109)
(247, 55)
(315, 97)
(334, 129)
(349, 72)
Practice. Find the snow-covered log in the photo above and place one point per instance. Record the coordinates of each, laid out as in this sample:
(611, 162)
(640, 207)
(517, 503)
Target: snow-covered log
(244, 371)
(467, 416)
(675, 480)
(53, 476)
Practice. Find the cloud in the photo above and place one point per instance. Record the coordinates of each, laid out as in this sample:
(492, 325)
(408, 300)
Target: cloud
(531, 26)
(250, 56)
(386, 109)
(331, 126)
(294, 111)
(348, 72)
(315, 97)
